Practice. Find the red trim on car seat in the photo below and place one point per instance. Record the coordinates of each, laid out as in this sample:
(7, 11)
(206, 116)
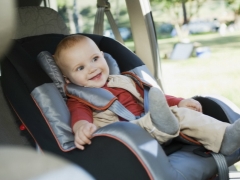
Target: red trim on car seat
(24, 124)
(50, 127)
(111, 136)
(189, 139)
(91, 105)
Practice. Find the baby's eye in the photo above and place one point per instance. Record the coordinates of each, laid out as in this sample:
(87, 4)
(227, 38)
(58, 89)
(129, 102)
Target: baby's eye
(80, 68)
(95, 59)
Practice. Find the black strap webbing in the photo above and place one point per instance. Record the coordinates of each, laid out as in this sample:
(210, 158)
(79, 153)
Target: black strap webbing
(223, 171)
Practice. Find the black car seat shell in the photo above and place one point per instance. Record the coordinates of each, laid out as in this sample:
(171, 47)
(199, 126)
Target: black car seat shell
(115, 151)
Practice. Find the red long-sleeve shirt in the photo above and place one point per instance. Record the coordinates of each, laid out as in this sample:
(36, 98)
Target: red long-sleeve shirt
(80, 111)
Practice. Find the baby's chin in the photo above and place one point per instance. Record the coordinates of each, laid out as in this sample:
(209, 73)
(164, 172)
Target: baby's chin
(94, 85)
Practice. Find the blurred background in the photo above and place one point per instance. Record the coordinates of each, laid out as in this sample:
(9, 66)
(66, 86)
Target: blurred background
(212, 27)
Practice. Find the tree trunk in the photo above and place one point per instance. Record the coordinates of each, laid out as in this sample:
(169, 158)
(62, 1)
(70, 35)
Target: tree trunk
(185, 20)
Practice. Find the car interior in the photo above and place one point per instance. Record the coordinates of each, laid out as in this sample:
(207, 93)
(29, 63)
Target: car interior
(34, 112)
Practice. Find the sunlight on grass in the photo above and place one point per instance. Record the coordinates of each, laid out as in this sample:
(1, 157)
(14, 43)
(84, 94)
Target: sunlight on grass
(218, 74)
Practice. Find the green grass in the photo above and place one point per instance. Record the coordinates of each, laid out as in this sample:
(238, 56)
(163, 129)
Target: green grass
(218, 74)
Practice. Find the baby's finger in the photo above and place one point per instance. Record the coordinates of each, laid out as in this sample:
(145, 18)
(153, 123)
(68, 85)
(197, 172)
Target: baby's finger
(78, 140)
(79, 146)
(86, 137)
(81, 139)
(79, 143)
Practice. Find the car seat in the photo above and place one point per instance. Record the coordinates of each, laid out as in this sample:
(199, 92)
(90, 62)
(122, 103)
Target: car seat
(118, 151)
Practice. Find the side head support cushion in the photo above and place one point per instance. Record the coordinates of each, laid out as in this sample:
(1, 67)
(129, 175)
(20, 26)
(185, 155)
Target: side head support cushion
(47, 63)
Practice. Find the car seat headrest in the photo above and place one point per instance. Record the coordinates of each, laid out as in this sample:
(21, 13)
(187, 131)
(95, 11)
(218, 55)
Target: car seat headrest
(33, 20)
(46, 61)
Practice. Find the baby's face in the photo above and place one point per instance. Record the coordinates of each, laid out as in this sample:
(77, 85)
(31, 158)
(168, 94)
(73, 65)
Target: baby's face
(84, 64)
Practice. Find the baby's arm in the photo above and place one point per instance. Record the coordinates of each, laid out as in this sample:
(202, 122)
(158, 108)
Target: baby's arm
(180, 102)
(81, 122)
(83, 131)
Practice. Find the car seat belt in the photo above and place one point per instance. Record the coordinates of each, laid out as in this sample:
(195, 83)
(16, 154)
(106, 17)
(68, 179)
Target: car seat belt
(121, 111)
(99, 17)
(223, 171)
(104, 6)
(146, 99)
(101, 99)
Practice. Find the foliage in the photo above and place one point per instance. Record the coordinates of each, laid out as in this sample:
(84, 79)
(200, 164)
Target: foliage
(86, 14)
(175, 7)
(234, 5)
(86, 11)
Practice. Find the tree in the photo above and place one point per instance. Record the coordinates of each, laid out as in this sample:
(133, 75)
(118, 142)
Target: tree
(185, 20)
(189, 8)
(234, 5)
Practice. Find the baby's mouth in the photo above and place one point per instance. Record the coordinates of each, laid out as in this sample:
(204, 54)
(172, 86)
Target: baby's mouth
(96, 77)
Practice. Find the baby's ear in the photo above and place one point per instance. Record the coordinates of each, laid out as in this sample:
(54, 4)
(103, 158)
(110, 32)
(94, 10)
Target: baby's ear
(66, 79)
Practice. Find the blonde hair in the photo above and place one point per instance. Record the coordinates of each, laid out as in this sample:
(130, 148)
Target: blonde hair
(68, 42)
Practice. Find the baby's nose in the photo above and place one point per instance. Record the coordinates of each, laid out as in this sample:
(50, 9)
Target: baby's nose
(92, 69)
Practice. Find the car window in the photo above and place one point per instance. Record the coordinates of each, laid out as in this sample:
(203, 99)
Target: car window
(80, 15)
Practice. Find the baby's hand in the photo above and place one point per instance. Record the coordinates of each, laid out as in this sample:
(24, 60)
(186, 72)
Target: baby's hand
(83, 132)
(191, 104)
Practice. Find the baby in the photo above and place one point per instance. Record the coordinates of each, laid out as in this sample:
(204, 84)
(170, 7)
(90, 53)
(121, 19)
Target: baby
(83, 64)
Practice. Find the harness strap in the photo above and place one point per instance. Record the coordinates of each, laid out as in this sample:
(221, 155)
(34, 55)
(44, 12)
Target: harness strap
(114, 27)
(101, 99)
(223, 171)
(121, 111)
(146, 99)
(97, 98)
(98, 24)
(104, 6)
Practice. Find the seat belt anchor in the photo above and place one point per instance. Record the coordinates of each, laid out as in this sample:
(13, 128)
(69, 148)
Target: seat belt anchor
(105, 4)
